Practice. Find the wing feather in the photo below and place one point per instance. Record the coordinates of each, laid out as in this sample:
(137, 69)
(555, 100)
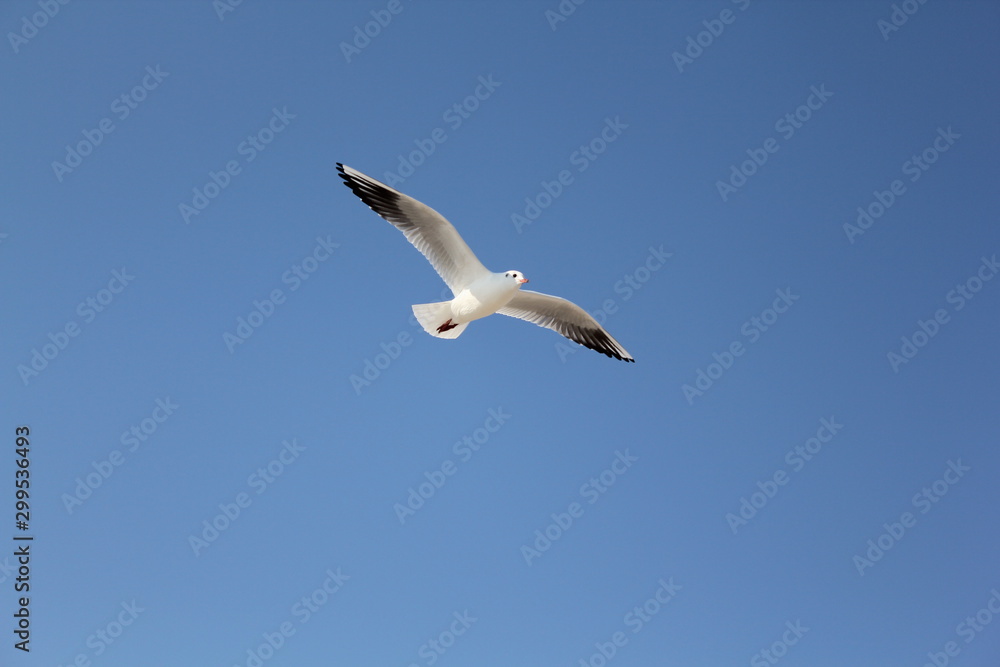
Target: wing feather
(566, 318)
(425, 228)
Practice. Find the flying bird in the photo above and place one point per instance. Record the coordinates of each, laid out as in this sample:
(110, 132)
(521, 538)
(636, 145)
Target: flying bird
(478, 291)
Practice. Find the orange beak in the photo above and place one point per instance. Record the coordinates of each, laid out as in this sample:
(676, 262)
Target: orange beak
(523, 280)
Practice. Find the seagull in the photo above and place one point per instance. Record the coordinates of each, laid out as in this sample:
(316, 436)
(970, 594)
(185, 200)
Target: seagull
(478, 291)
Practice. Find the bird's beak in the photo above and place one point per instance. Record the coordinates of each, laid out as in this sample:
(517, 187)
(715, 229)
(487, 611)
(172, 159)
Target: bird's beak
(523, 280)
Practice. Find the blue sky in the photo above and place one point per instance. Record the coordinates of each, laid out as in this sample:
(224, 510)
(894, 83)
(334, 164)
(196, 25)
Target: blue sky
(786, 212)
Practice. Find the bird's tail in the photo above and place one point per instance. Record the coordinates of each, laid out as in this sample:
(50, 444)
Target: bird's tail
(435, 318)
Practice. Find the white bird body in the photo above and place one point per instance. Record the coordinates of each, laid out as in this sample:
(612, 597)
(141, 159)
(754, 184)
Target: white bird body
(485, 296)
(477, 291)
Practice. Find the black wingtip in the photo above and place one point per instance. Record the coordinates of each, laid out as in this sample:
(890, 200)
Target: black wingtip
(600, 341)
(601, 346)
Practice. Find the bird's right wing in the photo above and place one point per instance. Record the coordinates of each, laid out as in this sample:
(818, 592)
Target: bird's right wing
(564, 317)
(425, 228)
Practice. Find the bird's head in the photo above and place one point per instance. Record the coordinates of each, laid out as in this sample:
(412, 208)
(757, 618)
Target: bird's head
(516, 276)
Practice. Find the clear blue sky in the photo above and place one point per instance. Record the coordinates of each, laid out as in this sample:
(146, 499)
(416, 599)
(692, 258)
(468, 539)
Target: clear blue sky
(194, 299)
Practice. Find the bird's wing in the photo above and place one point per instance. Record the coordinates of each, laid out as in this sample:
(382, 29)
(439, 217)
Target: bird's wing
(424, 227)
(566, 318)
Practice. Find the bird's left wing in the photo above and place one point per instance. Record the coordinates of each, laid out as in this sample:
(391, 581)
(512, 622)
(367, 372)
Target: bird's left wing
(566, 318)
(424, 227)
